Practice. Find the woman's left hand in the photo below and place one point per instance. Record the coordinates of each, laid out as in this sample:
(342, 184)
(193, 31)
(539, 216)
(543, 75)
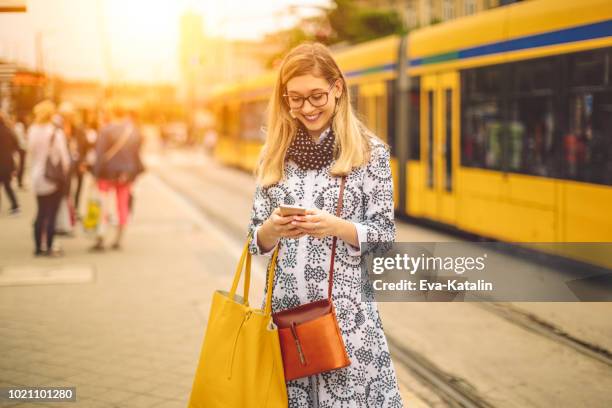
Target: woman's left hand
(317, 223)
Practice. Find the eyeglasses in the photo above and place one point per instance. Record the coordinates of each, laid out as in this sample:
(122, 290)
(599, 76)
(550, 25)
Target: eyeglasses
(317, 99)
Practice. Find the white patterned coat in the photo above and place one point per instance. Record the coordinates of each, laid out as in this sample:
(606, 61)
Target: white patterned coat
(302, 273)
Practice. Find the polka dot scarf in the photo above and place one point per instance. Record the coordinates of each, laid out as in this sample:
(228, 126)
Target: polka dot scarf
(309, 155)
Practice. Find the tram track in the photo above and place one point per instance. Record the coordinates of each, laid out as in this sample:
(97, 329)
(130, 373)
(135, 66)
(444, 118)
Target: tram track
(455, 391)
(533, 323)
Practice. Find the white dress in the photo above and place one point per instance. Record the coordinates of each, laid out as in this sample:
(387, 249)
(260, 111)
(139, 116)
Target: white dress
(302, 273)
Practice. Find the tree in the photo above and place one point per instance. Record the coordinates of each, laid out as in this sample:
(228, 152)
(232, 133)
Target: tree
(355, 24)
(289, 39)
(345, 22)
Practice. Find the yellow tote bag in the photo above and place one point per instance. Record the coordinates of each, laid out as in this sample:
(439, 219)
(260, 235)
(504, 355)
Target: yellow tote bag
(240, 363)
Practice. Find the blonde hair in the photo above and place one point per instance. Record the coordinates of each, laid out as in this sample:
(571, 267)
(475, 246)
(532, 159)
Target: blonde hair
(44, 111)
(352, 147)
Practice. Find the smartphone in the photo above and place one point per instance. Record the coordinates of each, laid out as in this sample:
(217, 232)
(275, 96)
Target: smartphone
(287, 210)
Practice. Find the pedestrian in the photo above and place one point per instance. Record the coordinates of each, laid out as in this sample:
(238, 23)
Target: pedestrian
(313, 139)
(47, 148)
(78, 146)
(9, 145)
(117, 165)
(20, 131)
(91, 135)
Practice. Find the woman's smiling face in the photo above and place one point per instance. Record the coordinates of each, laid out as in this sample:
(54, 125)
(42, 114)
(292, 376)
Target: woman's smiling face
(315, 118)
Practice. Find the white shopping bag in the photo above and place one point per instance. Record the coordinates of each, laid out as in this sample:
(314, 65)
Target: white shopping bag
(64, 222)
(108, 205)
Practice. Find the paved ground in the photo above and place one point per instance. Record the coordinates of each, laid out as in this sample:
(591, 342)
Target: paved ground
(131, 336)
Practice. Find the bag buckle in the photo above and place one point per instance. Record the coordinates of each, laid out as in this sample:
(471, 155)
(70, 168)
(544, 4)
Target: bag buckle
(298, 344)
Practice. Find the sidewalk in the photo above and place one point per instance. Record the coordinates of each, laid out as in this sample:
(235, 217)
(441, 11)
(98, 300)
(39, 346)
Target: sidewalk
(130, 334)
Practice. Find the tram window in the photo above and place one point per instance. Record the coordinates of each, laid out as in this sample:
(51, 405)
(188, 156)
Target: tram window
(556, 112)
(354, 94)
(245, 120)
(587, 146)
(591, 68)
(224, 120)
(253, 115)
(415, 119)
(531, 124)
(481, 118)
(587, 141)
(364, 111)
(233, 123)
(481, 139)
(535, 76)
(531, 136)
(381, 117)
(482, 83)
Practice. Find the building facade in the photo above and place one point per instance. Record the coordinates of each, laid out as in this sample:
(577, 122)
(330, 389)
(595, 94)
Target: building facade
(207, 62)
(421, 13)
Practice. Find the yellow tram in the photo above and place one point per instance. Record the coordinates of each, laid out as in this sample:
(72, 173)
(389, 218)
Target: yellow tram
(500, 124)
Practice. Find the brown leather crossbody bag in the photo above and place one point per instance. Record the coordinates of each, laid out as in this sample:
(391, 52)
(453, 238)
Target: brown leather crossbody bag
(310, 338)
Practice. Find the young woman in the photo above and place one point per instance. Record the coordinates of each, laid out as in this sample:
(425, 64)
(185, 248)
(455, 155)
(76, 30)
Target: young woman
(45, 140)
(313, 139)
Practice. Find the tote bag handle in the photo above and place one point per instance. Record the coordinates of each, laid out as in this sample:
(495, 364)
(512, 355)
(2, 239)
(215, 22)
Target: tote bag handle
(246, 256)
(245, 260)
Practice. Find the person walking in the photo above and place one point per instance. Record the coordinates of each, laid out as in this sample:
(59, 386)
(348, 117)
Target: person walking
(117, 165)
(314, 139)
(20, 131)
(8, 146)
(47, 148)
(91, 135)
(78, 146)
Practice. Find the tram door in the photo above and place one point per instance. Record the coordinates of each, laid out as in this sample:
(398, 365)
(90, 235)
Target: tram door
(440, 144)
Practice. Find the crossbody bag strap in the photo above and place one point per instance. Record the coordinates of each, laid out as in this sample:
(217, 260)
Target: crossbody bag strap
(52, 139)
(333, 252)
(51, 147)
(119, 143)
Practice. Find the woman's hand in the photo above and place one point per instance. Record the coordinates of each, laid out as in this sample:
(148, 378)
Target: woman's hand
(282, 227)
(320, 224)
(317, 223)
(274, 228)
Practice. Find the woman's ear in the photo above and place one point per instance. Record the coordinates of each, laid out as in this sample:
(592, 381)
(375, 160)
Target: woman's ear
(339, 87)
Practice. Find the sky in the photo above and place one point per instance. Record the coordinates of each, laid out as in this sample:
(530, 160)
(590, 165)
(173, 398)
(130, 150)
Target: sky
(133, 40)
